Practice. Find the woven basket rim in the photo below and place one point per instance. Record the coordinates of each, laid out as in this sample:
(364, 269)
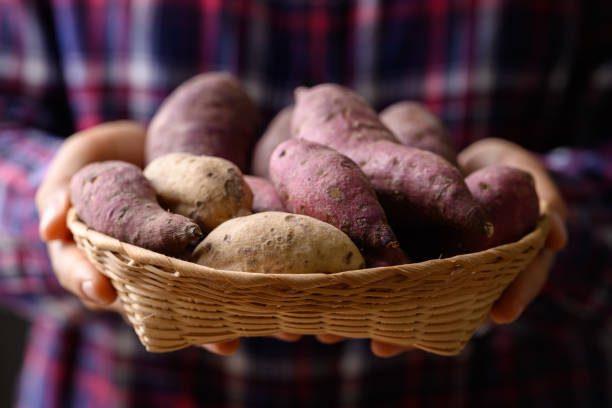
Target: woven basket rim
(177, 267)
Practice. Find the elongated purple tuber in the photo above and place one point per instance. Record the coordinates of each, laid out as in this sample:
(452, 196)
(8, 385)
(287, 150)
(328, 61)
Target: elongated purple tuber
(115, 198)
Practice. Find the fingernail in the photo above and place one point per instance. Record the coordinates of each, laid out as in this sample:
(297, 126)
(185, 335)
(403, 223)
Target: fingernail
(51, 212)
(519, 312)
(213, 348)
(47, 216)
(88, 290)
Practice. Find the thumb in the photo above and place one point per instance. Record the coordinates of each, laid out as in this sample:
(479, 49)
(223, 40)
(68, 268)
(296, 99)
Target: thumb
(53, 208)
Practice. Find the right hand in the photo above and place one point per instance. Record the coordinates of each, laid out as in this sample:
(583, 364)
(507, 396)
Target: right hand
(122, 140)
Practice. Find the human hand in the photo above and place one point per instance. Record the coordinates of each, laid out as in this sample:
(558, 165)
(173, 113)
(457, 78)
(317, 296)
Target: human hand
(530, 281)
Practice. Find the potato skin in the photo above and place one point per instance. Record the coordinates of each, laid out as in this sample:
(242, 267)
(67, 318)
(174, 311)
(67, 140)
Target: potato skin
(209, 190)
(379, 257)
(509, 196)
(265, 197)
(414, 125)
(114, 198)
(415, 187)
(315, 180)
(278, 130)
(335, 116)
(209, 114)
(420, 190)
(278, 242)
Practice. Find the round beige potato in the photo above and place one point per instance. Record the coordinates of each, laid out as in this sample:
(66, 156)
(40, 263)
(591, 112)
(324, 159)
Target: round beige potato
(278, 242)
(207, 189)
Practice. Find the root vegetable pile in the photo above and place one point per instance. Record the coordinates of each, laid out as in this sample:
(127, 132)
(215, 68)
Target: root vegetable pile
(416, 188)
(335, 185)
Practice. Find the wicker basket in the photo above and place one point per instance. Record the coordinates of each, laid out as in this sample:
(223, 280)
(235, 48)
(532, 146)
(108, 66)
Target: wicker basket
(435, 305)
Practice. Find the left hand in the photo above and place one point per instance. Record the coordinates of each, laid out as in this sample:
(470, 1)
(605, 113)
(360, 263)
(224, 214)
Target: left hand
(530, 281)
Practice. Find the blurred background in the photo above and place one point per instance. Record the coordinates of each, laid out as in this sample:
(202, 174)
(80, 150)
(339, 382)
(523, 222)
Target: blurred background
(12, 340)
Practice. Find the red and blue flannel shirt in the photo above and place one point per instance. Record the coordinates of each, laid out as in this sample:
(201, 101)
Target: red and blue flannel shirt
(538, 72)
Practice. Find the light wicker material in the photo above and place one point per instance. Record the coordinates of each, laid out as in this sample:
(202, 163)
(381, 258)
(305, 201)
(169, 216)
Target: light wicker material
(435, 305)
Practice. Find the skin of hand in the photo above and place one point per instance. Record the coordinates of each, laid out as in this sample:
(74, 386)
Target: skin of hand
(530, 281)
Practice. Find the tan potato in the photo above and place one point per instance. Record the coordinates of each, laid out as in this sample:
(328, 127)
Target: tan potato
(207, 189)
(278, 242)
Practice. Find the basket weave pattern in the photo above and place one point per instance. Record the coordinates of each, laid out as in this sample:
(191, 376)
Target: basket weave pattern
(435, 305)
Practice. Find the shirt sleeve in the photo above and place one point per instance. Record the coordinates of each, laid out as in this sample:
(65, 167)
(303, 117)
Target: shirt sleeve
(28, 284)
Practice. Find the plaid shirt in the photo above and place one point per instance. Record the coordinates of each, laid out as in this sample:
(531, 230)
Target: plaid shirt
(539, 73)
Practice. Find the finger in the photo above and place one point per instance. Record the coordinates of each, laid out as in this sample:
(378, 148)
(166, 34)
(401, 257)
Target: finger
(329, 338)
(54, 208)
(557, 237)
(523, 289)
(385, 350)
(291, 337)
(78, 275)
(115, 306)
(223, 349)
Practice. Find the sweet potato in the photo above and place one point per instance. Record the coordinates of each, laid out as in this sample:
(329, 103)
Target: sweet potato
(415, 187)
(278, 242)
(335, 116)
(419, 190)
(277, 132)
(265, 197)
(114, 198)
(207, 189)
(314, 180)
(414, 125)
(379, 257)
(509, 196)
(210, 114)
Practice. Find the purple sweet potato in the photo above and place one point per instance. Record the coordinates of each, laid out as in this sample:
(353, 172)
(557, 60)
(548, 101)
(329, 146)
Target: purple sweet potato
(420, 190)
(314, 180)
(115, 198)
(278, 130)
(265, 197)
(415, 187)
(379, 257)
(509, 196)
(414, 125)
(335, 116)
(210, 114)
